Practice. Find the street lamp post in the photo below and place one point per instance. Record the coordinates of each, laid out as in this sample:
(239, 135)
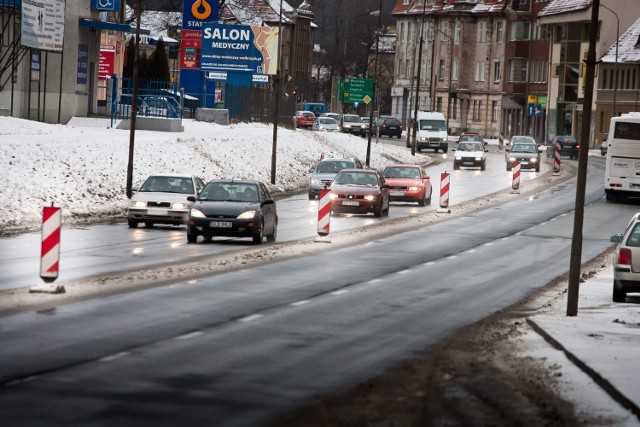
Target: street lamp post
(376, 85)
(277, 101)
(615, 65)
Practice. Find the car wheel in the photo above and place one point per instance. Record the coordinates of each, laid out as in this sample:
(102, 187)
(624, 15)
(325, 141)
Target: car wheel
(538, 168)
(258, 239)
(428, 201)
(386, 211)
(619, 295)
(378, 211)
(399, 136)
(445, 150)
(274, 233)
(419, 149)
(456, 166)
(483, 166)
(423, 200)
(508, 168)
(133, 224)
(436, 150)
(192, 238)
(312, 196)
(148, 224)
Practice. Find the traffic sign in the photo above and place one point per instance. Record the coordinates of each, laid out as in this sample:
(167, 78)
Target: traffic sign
(532, 99)
(357, 90)
(534, 109)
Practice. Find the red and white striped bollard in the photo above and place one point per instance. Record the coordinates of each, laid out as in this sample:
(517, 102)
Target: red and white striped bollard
(515, 182)
(501, 141)
(324, 215)
(444, 193)
(556, 159)
(50, 253)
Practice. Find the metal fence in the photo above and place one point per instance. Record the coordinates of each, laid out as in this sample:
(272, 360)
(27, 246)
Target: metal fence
(154, 99)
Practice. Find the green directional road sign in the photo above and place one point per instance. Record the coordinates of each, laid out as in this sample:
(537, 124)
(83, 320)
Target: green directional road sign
(357, 90)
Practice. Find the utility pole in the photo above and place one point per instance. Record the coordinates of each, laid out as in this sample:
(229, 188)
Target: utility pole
(416, 100)
(134, 101)
(376, 84)
(576, 241)
(277, 101)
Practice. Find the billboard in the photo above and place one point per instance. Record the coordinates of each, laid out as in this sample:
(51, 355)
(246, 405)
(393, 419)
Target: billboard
(42, 24)
(106, 67)
(196, 12)
(239, 48)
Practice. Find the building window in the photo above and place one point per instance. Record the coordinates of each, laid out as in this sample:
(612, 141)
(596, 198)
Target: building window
(441, 70)
(520, 31)
(499, 32)
(496, 71)
(454, 71)
(482, 32)
(445, 31)
(457, 35)
(477, 110)
(480, 71)
(518, 70)
(439, 104)
(494, 111)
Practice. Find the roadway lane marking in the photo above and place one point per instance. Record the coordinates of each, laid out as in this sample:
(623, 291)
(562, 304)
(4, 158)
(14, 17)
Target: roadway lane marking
(470, 251)
(553, 219)
(114, 356)
(298, 303)
(192, 282)
(404, 271)
(452, 257)
(251, 318)
(564, 214)
(339, 292)
(489, 244)
(189, 335)
(429, 263)
(21, 380)
(371, 282)
(505, 238)
(543, 223)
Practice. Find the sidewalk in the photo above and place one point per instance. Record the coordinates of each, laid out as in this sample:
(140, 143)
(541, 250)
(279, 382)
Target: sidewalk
(603, 340)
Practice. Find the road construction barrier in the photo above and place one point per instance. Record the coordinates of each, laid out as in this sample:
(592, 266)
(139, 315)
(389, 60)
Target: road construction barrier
(556, 159)
(444, 190)
(501, 141)
(324, 212)
(515, 184)
(50, 255)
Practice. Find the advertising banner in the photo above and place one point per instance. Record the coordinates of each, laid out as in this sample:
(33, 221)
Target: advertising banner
(35, 65)
(106, 67)
(239, 48)
(190, 49)
(83, 64)
(42, 24)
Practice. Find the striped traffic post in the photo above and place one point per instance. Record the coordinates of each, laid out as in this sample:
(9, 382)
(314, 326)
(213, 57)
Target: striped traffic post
(515, 183)
(50, 250)
(444, 193)
(556, 160)
(324, 215)
(501, 141)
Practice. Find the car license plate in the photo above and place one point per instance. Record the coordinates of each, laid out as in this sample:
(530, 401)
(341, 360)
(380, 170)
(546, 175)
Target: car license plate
(350, 203)
(396, 193)
(392, 128)
(524, 163)
(220, 224)
(467, 163)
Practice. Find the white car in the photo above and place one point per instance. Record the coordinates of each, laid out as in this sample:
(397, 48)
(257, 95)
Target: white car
(326, 124)
(162, 199)
(626, 261)
(470, 154)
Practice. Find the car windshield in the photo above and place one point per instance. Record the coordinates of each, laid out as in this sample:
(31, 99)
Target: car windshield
(634, 236)
(526, 139)
(470, 146)
(472, 138)
(326, 121)
(401, 173)
(524, 148)
(356, 178)
(230, 192)
(352, 119)
(438, 125)
(167, 184)
(333, 166)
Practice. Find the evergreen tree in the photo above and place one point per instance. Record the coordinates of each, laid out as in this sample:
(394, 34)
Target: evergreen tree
(143, 69)
(127, 71)
(159, 63)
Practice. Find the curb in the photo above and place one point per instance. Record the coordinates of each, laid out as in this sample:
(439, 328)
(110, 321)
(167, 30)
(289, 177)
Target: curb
(609, 388)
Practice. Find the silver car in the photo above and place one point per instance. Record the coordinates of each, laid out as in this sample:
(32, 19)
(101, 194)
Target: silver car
(352, 123)
(326, 124)
(626, 261)
(523, 151)
(323, 173)
(162, 199)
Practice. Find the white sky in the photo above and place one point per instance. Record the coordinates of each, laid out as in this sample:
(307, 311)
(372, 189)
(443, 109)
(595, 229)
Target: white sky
(82, 166)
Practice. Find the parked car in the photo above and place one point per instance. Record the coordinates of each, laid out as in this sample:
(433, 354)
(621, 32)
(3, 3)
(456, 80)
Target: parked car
(524, 151)
(162, 199)
(389, 126)
(352, 123)
(326, 124)
(335, 116)
(233, 208)
(359, 191)
(304, 119)
(325, 170)
(626, 260)
(568, 146)
(367, 122)
(408, 183)
(470, 154)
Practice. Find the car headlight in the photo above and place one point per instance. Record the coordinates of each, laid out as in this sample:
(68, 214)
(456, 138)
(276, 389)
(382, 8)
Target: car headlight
(195, 213)
(478, 159)
(138, 204)
(423, 139)
(321, 128)
(180, 206)
(315, 181)
(458, 158)
(247, 215)
(333, 196)
(444, 140)
(533, 160)
(414, 188)
(512, 159)
(369, 197)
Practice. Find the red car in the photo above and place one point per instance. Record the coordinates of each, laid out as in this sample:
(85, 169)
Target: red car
(304, 119)
(359, 191)
(408, 183)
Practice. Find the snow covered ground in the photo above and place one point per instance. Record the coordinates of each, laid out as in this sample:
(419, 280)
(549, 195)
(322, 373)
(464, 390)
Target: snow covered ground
(81, 167)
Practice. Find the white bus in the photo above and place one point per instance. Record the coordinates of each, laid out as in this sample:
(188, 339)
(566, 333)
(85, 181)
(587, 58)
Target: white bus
(622, 173)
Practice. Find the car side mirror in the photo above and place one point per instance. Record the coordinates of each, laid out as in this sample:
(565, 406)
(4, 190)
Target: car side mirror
(453, 149)
(426, 177)
(616, 238)
(267, 202)
(191, 198)
(486, 150)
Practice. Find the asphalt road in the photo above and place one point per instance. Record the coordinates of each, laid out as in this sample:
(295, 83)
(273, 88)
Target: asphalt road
(240, 348)
(97, 249)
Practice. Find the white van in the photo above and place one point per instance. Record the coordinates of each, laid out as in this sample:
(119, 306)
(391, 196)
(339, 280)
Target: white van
(622, 172)
(432, 131)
